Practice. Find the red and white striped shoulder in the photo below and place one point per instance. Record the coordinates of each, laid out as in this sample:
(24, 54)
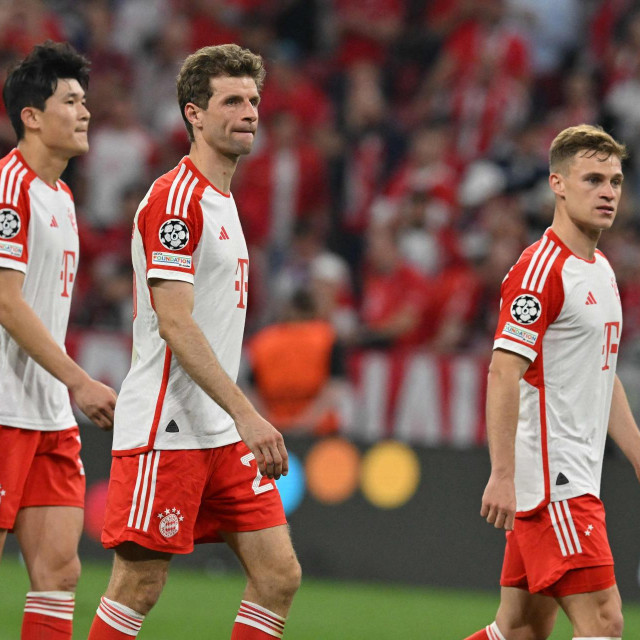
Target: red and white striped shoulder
(177, 189)
(14, 174)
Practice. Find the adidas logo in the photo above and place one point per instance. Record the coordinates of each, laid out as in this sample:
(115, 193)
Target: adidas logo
(54, 222)
(591, 299)
(223, 234)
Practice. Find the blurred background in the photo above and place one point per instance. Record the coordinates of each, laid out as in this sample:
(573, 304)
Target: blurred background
(399, 170)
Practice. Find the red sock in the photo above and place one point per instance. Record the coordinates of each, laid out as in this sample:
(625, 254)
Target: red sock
(488, 633)
(48, 615)
(254, 622)
(114, 621)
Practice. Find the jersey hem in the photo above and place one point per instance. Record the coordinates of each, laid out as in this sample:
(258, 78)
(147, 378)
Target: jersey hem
(162, 274)
(30, 427)
(16, 265)
(515, 347)
(119, 453)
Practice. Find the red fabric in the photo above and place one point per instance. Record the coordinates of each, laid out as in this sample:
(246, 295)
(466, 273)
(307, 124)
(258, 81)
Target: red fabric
(538, 554)
(100, 630)
(36, 626)
(243, 632)
(197, 494)
(479, 635)
(42, 469)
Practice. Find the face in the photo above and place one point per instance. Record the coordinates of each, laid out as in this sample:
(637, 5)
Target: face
(228, 124)
(590, 190)
(64, 123)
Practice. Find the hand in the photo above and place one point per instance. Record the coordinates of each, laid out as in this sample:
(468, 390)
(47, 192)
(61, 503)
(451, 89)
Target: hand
(267, 445)
(499, 502)
(97, 401)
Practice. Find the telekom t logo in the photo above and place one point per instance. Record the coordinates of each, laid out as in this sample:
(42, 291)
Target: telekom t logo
(609, 345)
(67, 272)
(242, 285)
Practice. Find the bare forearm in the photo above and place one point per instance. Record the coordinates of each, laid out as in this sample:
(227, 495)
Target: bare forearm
(503, 402)
(622, 426)
(195, 355)
(26, 328)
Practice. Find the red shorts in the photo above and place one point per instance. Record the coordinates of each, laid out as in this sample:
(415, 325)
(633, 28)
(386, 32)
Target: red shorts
(39, 469)
(560, 550)
(171, 500)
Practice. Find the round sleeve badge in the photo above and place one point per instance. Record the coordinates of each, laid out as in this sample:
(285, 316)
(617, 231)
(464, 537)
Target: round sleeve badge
(526, 309)
(174, 235)
(9, 224)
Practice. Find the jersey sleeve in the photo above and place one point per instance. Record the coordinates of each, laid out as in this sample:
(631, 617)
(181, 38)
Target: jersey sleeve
(169, 240)
(14, 230)
(526, 312)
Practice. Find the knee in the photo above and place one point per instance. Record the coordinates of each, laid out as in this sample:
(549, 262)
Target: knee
(612, 622)
(147, 593)
(281, 582)
(56, 576)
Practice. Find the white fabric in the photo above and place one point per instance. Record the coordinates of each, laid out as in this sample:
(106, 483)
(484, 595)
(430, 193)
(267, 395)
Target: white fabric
(142, 412)
(31, 397)
(494, 633)
(55, 604)
(567, 389)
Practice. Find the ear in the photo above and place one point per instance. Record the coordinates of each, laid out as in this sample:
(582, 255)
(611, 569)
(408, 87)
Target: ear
(193, 114)
(30, 117)
(556, 182)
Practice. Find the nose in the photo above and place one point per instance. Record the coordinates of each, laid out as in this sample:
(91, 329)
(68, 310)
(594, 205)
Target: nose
(85, 114)
(250, 112)
(608, 192)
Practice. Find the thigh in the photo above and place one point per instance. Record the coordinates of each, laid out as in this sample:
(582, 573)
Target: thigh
(587, 610)
(524, 615)
(262, 551)
(48, 538)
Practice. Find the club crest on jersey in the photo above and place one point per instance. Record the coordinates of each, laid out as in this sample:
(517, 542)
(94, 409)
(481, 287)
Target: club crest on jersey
(9, 224)
(170, 520)
(174, 234)
(526, 309)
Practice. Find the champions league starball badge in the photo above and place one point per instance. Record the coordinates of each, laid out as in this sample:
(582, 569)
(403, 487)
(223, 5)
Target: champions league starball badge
(526, 309)
(174, 235)
(9, 224)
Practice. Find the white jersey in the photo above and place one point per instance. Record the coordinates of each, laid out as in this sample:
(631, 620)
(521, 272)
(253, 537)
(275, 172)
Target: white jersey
(563, 313)
(185, 229)
(38, 236)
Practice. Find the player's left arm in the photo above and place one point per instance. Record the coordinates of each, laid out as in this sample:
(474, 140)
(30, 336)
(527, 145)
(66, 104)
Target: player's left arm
(622, 426)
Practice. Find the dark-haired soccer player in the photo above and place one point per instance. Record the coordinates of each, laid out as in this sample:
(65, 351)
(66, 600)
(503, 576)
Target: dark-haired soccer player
(193, 460)
(41, 476)
(552, 396)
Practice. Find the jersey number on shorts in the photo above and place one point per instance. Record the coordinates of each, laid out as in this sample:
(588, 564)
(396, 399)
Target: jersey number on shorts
(255, 485)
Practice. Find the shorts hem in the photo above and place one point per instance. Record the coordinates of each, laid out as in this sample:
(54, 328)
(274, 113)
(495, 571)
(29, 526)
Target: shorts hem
(599, 586)
(559, 574)
(147, 543)
(64, 503)
(217, 539)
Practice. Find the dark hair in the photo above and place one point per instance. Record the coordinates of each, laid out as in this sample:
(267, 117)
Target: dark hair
(33, 80)
(193, 82)
(586, 138)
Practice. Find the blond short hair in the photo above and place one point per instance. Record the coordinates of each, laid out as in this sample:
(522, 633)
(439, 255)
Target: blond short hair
(193, 82)
(587, 138)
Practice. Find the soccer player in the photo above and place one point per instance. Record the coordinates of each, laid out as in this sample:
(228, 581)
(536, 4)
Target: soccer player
(552, 396)
(42, 480)
(193, 460)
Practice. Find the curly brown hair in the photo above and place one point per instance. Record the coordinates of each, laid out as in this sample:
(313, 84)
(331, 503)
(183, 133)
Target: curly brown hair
(193, 82)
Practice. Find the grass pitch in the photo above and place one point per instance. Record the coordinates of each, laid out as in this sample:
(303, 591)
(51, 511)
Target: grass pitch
(200, 606)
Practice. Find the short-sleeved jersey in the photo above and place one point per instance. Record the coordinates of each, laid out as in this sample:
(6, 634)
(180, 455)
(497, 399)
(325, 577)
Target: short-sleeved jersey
(39, 237)
(562, 313)
(184, 229)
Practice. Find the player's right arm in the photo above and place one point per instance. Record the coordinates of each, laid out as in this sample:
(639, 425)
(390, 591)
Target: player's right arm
(95, 399)
(503, 405)
(173, 302)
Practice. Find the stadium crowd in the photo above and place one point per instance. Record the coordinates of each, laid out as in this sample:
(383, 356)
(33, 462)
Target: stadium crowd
(400, 168)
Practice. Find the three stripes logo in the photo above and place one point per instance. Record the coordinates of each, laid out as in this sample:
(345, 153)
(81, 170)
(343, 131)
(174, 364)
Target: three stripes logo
(564, 528)
(540, 265)
(54, 222)
(591, 299)
(223, 234)
(180, 193)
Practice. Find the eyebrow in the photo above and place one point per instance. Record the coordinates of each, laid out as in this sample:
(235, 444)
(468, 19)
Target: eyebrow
(597, 174)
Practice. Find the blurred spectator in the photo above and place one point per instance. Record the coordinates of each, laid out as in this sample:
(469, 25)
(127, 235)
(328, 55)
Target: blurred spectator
(298, 371)
(121, 153)
(25, 23)
(395, 297)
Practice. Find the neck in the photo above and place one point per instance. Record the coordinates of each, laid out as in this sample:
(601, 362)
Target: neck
(42, 161)
(581, 240)
(215, 167)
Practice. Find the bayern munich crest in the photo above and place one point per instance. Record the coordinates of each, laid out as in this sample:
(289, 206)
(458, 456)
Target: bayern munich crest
(174, 235)
(526, 309)
(9, 224)
(170, 520)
